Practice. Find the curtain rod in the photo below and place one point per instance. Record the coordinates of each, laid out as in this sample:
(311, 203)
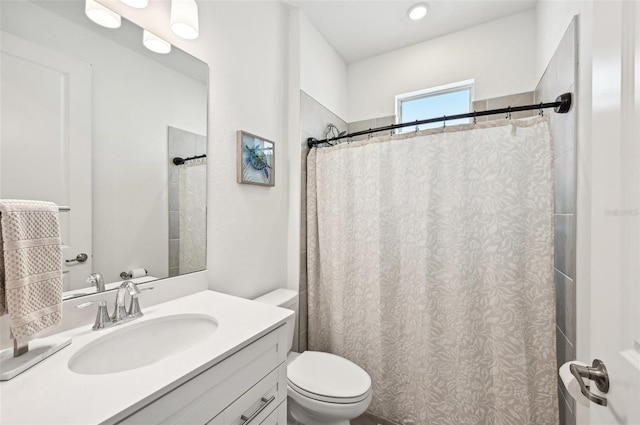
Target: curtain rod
(179, 161)
(561, 105)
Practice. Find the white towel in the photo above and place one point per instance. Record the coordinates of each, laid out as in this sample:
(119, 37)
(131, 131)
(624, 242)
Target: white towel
(30, 266)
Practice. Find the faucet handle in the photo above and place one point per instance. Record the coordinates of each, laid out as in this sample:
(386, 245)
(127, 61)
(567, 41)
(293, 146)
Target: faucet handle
(134, 306)
(102, 318)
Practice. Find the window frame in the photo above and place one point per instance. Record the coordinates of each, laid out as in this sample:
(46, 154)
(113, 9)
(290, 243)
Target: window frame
(434, 91)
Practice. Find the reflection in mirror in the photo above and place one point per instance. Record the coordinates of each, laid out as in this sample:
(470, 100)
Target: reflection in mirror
(187, 201)
(92, 120)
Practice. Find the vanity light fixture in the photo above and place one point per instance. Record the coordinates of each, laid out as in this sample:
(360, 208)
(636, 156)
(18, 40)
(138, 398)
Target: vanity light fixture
(417, 11)
(138, 4)
(184, 18)
(155, 43)
(101, 15)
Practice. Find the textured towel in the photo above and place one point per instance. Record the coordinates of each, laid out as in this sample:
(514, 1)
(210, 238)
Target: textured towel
(30, 266)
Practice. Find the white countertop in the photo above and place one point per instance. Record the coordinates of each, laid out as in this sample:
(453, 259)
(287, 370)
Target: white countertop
(49, 393)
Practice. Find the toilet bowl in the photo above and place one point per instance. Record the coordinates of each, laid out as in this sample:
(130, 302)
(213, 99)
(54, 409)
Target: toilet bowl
(322, 388)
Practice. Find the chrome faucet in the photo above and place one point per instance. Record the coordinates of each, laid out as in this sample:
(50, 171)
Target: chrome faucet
(120, 314)
(96, 279)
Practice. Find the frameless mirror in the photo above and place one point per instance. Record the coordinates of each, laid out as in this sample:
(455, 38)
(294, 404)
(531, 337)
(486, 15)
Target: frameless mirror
(92, 120)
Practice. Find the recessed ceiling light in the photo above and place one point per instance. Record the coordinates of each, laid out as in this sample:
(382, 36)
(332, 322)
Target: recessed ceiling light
(417, 11)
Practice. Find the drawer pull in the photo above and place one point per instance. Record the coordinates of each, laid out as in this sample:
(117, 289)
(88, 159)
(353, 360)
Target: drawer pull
(265, 403)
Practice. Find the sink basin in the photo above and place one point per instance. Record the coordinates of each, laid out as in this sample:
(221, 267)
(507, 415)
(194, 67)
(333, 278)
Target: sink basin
(141, 344)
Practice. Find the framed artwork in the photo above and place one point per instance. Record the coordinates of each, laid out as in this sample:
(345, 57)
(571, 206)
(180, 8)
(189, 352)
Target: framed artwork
(256, 160)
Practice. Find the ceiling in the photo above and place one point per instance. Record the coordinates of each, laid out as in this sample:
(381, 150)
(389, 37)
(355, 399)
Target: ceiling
(359, 29)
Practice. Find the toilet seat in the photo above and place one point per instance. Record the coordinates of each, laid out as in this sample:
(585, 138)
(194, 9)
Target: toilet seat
(328, 378)
(327, 399)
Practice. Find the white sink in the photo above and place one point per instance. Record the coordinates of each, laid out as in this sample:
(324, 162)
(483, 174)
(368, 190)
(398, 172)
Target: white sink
(141, 344)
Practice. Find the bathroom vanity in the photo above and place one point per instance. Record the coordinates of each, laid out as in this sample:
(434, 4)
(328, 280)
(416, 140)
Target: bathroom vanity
(227, 366)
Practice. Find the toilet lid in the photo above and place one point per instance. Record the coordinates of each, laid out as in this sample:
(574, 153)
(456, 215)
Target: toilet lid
(328, 376)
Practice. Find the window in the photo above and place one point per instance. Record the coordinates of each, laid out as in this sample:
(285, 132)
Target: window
(450, 99)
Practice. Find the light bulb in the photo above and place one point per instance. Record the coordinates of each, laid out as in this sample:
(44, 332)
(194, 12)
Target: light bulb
(101, 15)
(184, 18)
(155, 43)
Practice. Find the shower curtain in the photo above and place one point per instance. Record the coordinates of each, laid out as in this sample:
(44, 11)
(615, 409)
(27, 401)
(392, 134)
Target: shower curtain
(192, 178)
(430, 265)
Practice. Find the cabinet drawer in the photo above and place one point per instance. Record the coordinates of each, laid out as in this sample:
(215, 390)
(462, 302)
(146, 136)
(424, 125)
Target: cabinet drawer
(278, 416)
(255, 405)
(206, 395)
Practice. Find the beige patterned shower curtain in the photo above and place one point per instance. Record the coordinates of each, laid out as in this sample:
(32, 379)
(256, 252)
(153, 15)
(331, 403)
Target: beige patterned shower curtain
(430, 262)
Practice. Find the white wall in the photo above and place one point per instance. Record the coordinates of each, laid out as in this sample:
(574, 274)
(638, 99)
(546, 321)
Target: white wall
(553, 18)
(313, 67)
(499, 55)
(244, 44)
(134, 100)
(323, 73)
(295, 151)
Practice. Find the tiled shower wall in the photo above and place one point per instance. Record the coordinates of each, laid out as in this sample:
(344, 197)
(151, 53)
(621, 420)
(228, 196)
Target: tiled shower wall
(560, 77)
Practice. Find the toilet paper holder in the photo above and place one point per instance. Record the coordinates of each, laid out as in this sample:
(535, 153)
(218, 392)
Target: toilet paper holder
(130, 274)
(596, 373)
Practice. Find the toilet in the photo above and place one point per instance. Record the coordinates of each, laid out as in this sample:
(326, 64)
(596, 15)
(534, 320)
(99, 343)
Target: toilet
(322, 388)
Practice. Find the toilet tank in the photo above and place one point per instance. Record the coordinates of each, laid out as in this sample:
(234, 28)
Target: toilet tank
(285, 298)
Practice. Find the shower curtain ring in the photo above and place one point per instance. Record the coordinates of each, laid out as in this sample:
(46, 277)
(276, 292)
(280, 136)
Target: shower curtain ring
(509, 113)
(369, 135)
(474, 117)
(416, 126)
(444, 121)
(541, 111)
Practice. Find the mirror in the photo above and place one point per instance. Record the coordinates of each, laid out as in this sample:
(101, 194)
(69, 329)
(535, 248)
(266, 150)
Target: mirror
(92, 121)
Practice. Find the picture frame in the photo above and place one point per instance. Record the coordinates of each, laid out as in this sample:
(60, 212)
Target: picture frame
(256, 160)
